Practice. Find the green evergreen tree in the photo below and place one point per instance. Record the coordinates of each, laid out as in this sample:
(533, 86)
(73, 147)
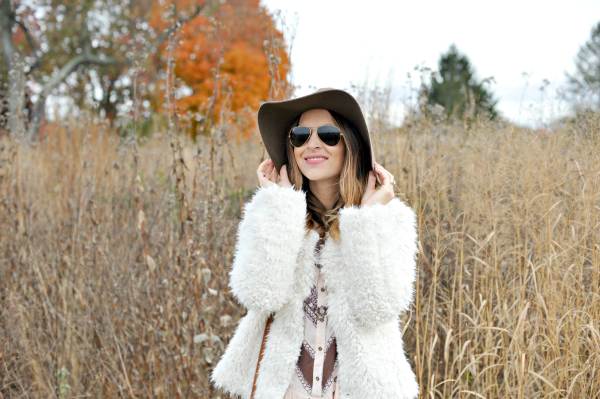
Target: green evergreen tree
(455, 88)
(583, 87)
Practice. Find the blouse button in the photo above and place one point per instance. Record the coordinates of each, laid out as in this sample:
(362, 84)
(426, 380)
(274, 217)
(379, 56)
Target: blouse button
(322, 289)
(320, 348)
(317, 378)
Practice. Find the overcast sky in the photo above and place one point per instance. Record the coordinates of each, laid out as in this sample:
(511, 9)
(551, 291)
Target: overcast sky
(339, 42)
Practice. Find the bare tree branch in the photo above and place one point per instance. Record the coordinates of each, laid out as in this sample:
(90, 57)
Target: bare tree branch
(85, 58)
(39, 108)
(38, 54)
(180, 22)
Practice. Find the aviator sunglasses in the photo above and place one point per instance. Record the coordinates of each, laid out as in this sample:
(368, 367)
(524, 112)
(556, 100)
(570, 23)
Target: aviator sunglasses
(328, 134)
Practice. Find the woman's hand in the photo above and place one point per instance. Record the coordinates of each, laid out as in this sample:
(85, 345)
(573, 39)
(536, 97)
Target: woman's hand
(267, 175)
(384, 194)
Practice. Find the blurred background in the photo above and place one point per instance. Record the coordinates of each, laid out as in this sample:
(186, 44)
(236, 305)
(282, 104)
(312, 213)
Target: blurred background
(129, 146)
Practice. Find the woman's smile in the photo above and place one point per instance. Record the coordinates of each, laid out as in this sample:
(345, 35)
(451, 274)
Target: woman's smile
(315, 159)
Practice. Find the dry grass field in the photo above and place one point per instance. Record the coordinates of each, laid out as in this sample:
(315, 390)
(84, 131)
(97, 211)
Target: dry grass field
(114, 259)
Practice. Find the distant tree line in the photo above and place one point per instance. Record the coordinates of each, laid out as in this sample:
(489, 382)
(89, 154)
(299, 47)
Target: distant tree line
(455, 87)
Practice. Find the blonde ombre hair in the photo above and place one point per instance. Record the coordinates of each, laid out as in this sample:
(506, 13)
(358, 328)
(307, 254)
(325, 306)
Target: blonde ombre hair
(353, 180)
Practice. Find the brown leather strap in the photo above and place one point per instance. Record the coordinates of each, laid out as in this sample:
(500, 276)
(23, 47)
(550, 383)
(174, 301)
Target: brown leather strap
(260, 355)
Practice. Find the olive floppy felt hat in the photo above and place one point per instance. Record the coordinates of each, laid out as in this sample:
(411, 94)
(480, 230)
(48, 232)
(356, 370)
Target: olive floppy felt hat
(275, 119)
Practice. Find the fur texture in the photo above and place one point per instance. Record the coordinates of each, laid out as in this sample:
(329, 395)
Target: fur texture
(268, 242)
(369, 277)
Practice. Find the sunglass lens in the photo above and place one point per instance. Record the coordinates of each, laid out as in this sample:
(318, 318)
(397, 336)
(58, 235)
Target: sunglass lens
(329, 135)
(299, 135)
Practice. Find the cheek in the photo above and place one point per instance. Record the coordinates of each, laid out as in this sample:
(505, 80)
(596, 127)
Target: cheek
(297, 156)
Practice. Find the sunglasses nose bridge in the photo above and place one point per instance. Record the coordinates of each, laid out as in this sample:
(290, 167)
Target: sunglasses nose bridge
(314, 140)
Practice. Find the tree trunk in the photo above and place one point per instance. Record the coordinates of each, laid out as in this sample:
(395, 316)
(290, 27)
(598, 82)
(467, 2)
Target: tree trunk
(16, 97)
(16, 76)
(36, 118)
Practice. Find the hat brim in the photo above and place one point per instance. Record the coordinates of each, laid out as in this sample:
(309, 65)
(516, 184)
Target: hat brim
(275, 119)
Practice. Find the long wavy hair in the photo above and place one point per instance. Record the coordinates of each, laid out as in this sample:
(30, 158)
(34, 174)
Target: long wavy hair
(352, 183)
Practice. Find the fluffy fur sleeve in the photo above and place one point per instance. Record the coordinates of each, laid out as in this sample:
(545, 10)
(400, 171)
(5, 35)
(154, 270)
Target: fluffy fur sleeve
(269, 238)
(379, 246)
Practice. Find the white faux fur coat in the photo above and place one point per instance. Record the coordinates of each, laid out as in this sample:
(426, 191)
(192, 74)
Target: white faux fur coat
(369, 277)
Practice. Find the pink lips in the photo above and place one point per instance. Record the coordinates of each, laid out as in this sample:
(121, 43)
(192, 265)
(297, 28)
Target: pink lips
(315, 159)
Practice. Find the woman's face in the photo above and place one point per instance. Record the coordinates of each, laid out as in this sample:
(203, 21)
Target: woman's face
(316, 160)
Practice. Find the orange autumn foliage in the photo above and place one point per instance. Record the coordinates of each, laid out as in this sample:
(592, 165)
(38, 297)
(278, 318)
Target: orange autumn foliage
(237, 40)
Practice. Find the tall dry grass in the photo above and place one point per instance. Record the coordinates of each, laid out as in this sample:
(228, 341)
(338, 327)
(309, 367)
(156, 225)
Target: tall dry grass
(114, 259)
(507, 300)
(109, 270)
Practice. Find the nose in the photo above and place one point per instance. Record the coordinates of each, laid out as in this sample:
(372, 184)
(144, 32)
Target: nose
(314, 141)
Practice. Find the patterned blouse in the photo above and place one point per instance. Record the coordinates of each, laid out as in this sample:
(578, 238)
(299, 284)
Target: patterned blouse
(316, 370)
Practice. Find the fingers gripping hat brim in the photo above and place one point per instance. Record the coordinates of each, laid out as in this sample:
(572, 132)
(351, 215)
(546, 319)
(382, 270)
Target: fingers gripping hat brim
(275, 120)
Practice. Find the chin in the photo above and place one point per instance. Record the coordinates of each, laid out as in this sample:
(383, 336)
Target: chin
(318, 177)
(314, 178)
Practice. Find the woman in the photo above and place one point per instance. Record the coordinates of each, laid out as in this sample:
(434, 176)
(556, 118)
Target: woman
(328, 252)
